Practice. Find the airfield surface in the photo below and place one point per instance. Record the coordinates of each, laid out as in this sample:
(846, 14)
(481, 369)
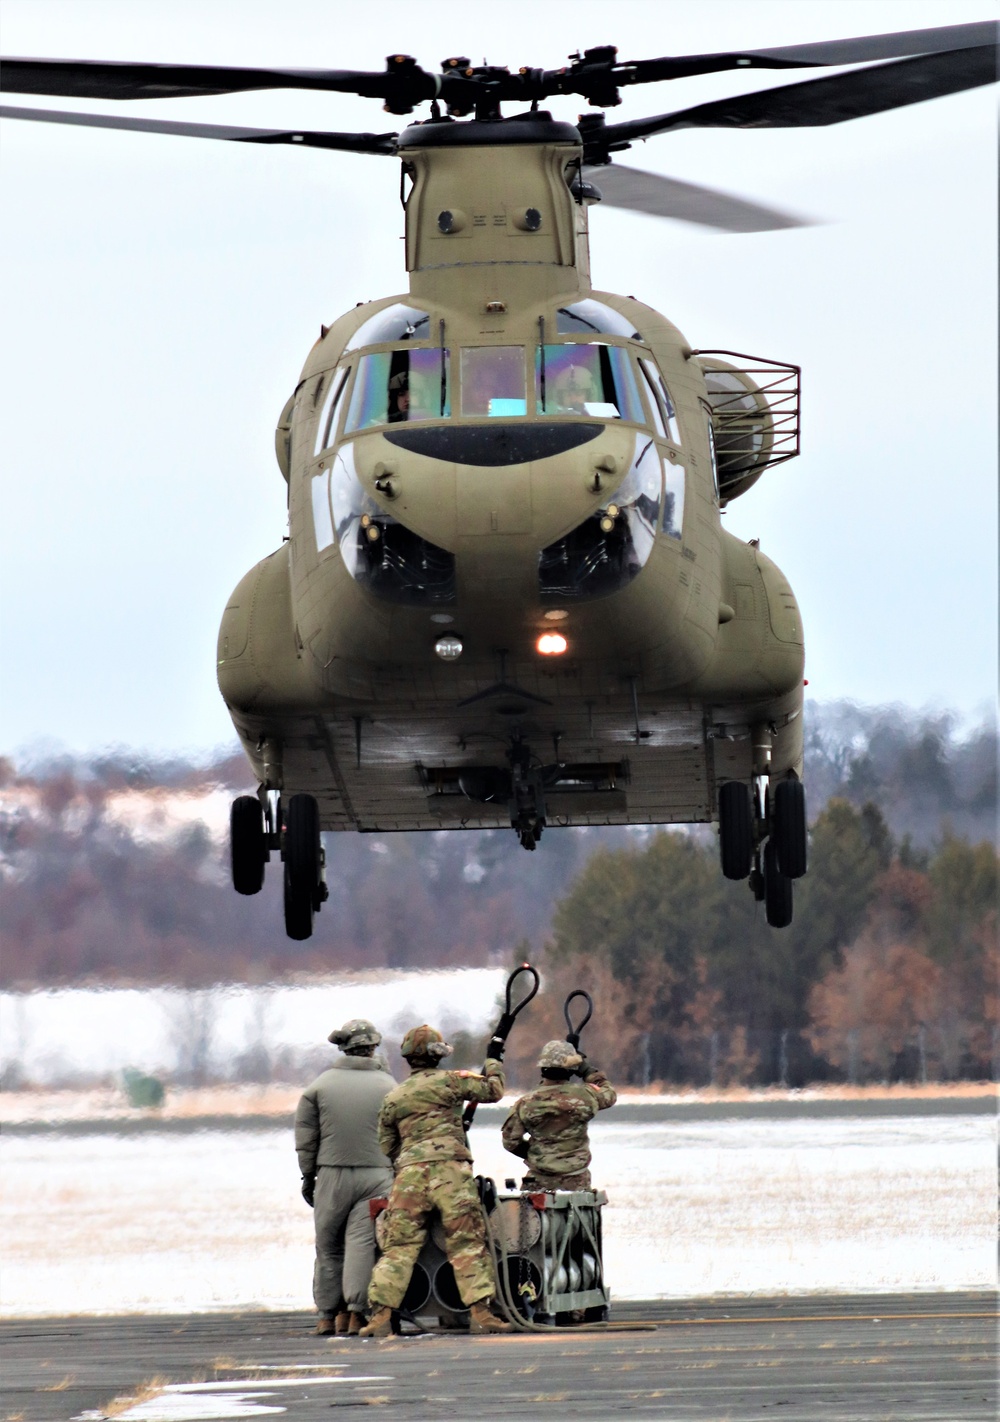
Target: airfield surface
(898, 1358)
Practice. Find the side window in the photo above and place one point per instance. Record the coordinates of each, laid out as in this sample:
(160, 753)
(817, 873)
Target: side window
(661, 401)
(493, 381)
(712, 454)
(326, 428)
(673, 499)
(322, 519)
(397, 386)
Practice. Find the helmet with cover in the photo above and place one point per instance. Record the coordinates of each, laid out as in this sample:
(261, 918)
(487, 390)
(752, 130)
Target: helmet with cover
(359, 1032)
(425, 1042)
(561, 1055)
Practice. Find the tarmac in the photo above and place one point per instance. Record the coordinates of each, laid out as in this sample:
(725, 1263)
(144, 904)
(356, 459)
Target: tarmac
(892, 1358)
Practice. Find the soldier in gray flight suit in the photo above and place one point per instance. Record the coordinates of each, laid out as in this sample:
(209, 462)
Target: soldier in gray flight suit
(343, 1167)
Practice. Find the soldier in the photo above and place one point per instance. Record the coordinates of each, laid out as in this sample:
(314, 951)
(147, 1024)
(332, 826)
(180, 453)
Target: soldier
(420, 1130)
(548, 1127)
(343, 1167)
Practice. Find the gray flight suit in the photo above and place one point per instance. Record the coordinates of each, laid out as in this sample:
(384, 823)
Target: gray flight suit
(336, 1139)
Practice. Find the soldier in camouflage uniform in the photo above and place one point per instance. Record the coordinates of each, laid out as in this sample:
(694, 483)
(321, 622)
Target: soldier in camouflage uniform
(548, 1127)
(420, 1130)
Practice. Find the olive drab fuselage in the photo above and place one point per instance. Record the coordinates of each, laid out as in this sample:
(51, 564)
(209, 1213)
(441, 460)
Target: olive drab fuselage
(500, 454)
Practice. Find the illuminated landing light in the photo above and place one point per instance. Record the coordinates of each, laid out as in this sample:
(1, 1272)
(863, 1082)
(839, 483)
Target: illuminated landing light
(552, 644)
(556, 614)
(449, 649)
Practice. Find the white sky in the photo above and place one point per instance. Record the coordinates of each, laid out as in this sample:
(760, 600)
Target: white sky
(160, 296)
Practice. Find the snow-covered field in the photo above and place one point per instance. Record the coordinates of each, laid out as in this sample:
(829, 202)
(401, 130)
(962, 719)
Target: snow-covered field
(71, 1034)
(210, 1220)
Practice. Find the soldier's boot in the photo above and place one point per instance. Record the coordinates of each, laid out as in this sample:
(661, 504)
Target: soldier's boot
(343, 1321)
(482, 1320)
(326, 1325)
(379, 1325)
(356, 1324)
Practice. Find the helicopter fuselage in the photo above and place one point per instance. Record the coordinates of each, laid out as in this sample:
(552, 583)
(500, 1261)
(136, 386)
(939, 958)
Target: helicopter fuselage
(506, 554)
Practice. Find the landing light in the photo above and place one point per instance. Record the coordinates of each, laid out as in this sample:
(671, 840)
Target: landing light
(552, 644)
(449, 649)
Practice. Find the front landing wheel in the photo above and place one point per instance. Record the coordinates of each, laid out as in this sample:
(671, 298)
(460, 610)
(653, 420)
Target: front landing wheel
(777, 890)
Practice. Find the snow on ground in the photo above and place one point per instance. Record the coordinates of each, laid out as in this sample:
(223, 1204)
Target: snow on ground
(212, 1220)
(51, 1037)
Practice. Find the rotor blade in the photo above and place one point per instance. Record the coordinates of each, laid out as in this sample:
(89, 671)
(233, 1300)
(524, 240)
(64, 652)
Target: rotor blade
(817, 102)
(103, 79)
(382, 143)
(849, 51)
(638, 191)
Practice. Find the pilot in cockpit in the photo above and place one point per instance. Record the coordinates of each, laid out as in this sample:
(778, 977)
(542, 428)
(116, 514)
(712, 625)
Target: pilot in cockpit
(399, 398)
(574, 388)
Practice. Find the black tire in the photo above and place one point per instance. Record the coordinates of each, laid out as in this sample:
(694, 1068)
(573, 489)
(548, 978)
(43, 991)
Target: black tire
(735, 829)
(777, 890)
(247, 847)
(302, 866)
(790, 836)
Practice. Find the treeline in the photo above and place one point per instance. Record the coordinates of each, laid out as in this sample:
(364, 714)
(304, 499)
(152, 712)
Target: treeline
(93, 889)
(890, 970)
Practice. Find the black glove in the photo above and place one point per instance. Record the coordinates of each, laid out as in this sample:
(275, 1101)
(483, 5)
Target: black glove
(585, 1068)
(308, 1189)
(496, 1048)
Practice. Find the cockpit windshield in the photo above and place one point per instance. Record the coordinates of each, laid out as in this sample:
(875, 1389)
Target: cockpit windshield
(393, 387)
(394, 323)
(593, 318)
(592, 380)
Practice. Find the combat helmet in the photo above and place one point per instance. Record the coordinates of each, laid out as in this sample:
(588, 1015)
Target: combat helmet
(359, 1032)
(425, 1042)
(559, 1054)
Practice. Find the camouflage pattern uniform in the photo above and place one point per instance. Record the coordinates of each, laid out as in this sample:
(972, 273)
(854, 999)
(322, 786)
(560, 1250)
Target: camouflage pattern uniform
(548, 1127)
(420, 1130)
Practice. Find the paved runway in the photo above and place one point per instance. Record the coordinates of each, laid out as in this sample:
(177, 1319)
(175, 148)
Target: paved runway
(894, 1358)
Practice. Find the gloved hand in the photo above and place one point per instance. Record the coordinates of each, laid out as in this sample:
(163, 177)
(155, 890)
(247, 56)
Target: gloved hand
(495, 1049)
(308, 1189)
(586, 1068)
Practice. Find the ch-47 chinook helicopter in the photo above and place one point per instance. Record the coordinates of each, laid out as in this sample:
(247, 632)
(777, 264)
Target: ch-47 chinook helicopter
(506, 597)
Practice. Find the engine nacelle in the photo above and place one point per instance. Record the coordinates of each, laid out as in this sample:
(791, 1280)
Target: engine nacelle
(755, 424)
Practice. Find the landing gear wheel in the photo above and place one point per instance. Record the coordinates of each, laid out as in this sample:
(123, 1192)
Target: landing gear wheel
(303, 861)
(789, 817)
(735, 829)
(247, 846)
(777, 890)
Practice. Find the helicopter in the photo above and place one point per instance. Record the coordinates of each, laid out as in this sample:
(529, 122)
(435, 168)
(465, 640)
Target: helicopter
(507, 597)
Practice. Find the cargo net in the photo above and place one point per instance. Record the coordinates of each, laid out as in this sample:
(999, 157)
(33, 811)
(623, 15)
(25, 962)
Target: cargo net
(755, 413)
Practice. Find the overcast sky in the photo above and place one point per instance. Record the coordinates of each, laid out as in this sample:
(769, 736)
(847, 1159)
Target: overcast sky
(160, 296)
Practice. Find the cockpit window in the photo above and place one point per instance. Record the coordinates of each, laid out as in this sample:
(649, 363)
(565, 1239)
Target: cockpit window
(393, 387)
(587, 380)
(493, 381)
(611, 548)
(394, 323)
(326, 428)
(593, 318)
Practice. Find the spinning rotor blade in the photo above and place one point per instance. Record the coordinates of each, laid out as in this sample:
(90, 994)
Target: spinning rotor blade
(102, 79)
(794, 56)
(384, 143)
(638, 191)
(815, 103)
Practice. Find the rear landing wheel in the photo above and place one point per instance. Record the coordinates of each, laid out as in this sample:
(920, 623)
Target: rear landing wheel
(247, 845)
(777, 890)
(303, 863)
